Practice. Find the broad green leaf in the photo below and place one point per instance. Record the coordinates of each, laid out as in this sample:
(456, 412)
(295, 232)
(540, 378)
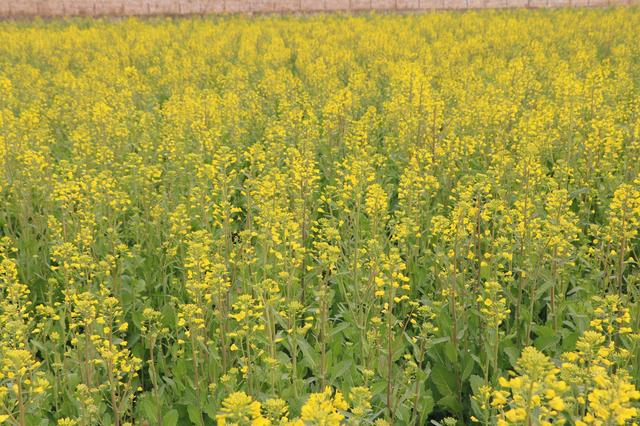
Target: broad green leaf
(444, 379)
(170, 418)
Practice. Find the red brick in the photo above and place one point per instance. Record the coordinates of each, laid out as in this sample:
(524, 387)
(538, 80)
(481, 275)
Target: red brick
(155, 8)
(408, 4)
(107, 8)
(288, 5)
(312, 5)
(476, 4)
(384, 4)
(192, 7)
(337, 4)
(4, 8)
(430, 4)
(23, 8)
(211, 6)
(179, 7)
(186, 7)
(215, 6)
(86, 9)
(69, 8)
(231, 6)
(134, 7)
(172, 7)
(42, 8)
(456, 4)
(261, 6)
(361, 5)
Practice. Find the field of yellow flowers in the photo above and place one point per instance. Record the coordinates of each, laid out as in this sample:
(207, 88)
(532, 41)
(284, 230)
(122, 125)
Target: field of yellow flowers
(321, 220)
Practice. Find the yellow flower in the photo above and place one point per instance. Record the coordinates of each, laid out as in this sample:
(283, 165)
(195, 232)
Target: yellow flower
(557, 403)
(239, 409)
(499, 398)
(322, 409)
(516, 415)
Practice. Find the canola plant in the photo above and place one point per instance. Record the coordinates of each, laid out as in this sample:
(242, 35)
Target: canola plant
(321, 220)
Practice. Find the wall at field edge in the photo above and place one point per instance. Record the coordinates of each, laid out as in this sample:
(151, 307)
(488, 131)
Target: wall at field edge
(44, 8)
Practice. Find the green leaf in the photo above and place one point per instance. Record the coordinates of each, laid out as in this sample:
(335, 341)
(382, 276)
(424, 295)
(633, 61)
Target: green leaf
(439, 340)
(423, 374)
(451, 352)
(468, 368)
(195, 415)
(402, 415)
(476, 382)
(106, 419)
(32, 420)
(168, 316)
(148, 407)
(339, 328)
(378, 388)
(310, 355)
(542, 290)
(569, 341)
(341, 368)
(451, 402)
(211, 410)
(485, 271)
(444, 380)
(546, 339)
(427, 404)
(170, 418)
(513, 354)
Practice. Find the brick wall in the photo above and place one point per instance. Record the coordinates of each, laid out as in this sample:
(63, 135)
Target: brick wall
(24, 8)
